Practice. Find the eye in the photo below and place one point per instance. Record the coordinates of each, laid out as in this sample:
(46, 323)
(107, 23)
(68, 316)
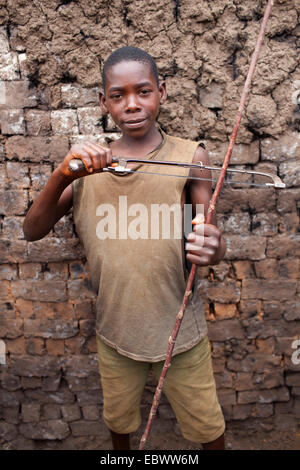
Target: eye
(116, 96)
(145, 92)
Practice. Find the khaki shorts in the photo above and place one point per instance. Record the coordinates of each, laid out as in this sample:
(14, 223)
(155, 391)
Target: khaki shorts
(189, 386)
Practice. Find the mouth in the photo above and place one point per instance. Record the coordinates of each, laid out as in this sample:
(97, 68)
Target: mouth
(135, 122)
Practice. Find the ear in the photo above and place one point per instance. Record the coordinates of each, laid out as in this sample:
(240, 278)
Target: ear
(162, 91)
(102, 101)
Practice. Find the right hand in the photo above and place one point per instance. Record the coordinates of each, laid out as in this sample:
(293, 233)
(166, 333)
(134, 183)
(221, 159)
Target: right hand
(94, 157)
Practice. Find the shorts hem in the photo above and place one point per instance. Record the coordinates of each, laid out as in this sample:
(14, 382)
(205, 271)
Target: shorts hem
(210, 438)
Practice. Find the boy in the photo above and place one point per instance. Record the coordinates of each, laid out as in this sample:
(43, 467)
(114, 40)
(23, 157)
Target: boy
(140, 281)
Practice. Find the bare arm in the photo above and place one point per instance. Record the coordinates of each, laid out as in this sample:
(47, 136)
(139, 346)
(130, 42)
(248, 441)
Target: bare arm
(56, 198)
(211, 248)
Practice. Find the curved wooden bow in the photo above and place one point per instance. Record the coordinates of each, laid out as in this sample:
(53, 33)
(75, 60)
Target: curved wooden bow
(210, 211)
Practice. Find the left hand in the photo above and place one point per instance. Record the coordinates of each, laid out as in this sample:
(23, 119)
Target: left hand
(203, 243)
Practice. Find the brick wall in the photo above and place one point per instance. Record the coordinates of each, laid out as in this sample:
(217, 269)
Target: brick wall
(51, 55)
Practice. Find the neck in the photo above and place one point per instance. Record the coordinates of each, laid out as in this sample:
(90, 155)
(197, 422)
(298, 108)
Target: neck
(128, 146)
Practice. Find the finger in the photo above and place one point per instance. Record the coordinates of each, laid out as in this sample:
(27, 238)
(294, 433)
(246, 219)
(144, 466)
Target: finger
(105, 154)
(199, 219)
(198, 260)
(94, 155)
(80, 154)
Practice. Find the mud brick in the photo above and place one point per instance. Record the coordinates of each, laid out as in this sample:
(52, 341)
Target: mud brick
(83, 309)
(292, 379)
(241, 412)
(45, 430)
(11, 398)
(225, 329)
(263, 329)
(31, 382)
(220, 270)
(284, 345)
(286, 147)
(13, 251)
(8, 272)
(87, 397)
(13, 202)
(31, 366)
(292, 311)
(90, 120)
(17, 174)
(257, 199)
(78, 270)
(18, 94)
(227, 397)
(3, 179)
(280, 289)
(12, 121)
(24, 308)
(100, 138)
(53, 310)
(75, 96)
(64, 122)
(35, 346)
(23, 65)
(254, 363)
(11, 327)
(252, 247)
(5, 290)
(71, 412)
(272, 310)
(8, 309)
(55, 250)
(50, 412)
(10, 382)
(242, 154)
(30, 271)
(37, 149)
(92, 412)
(266, 268)
(51, 384)
(264, 396)
(243, 381)
(54, 291)
(262, 411)
(55, 347)
(265, 225)
(13, 228)
(9, 66)
(286, 422)
(225, 310)
(289, 223)
(289, 172)
(57, 329)
(265, 345)
(37, 122)
(4, 43)
(243, 269)
(287, 199)
(31, 412)
(268, 379)
(222, 292)
(81, 366)
(11, 414)
(87, 327)
(62, 396)
(56, 271)
(235, 223)
(224, 379)
(296, 391)
(80, 288)
(91, 345)
(8, 431)
(39, 176)
(16, 346)
(64, 227)
(85, 428)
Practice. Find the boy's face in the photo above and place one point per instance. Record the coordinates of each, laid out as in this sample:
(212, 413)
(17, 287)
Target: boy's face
(132, 97)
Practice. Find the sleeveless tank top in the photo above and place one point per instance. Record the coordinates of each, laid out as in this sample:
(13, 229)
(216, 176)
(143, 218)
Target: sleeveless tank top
(134, 250)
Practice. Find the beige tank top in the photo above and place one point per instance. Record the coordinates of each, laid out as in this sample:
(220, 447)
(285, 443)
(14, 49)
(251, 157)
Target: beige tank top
(136, 258)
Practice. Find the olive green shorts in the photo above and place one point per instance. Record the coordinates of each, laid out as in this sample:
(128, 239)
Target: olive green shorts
(189, 386)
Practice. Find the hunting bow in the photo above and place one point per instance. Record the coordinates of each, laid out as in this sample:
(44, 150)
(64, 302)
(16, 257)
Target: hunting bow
(211, 209)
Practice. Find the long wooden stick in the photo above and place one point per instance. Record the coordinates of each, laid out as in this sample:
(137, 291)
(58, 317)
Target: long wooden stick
(210, 212)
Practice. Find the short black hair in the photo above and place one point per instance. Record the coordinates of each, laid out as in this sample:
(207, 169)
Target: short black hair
(128, 53)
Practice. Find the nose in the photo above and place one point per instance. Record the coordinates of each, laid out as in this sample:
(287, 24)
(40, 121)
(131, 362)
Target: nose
(132, 103)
